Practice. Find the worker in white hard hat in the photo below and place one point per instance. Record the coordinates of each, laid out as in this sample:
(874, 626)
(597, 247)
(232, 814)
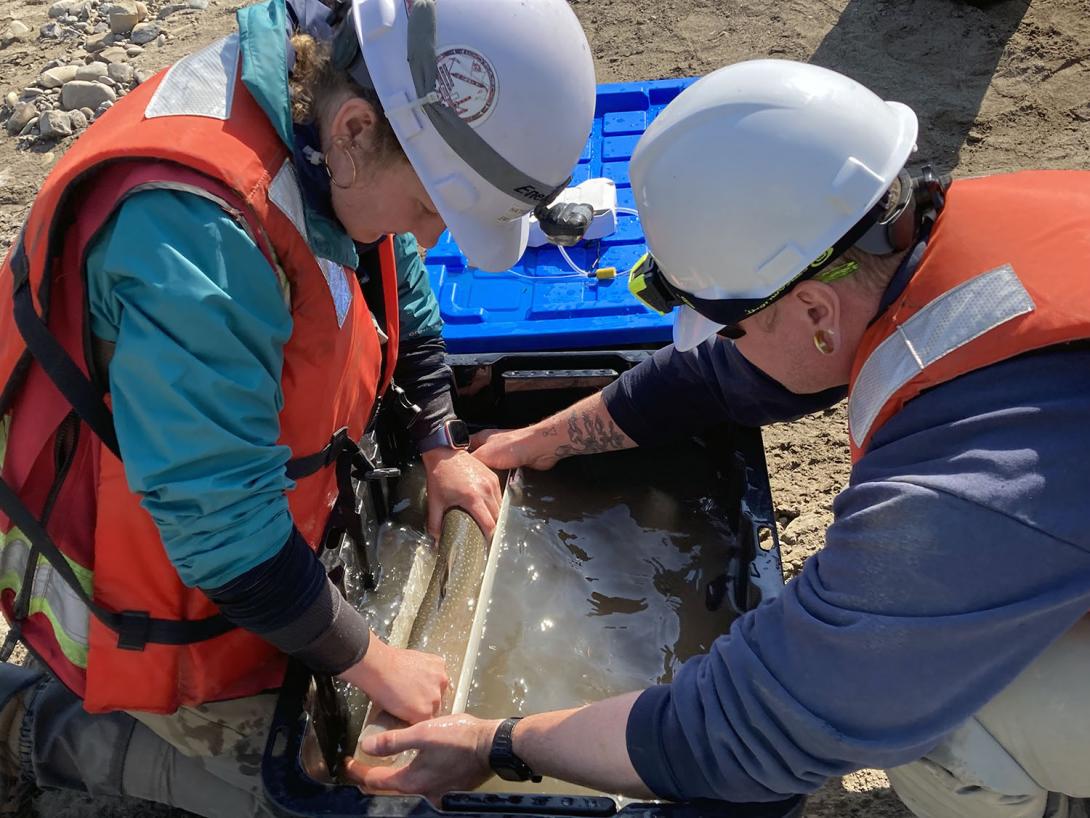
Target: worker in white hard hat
(212, 292)
(941, 634)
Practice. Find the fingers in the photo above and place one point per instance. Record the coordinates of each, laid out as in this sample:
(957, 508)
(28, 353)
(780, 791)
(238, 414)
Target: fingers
(373, 779)
(485, 515)
(390, 742)
(479, 439)
(379, 779)
(436, 509)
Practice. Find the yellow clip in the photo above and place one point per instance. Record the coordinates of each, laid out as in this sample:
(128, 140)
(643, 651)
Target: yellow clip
(606, 273)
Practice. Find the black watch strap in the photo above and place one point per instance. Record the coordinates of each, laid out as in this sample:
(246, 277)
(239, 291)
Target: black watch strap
(502, 758)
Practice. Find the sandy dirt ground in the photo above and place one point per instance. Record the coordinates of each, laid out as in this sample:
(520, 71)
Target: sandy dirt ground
(997, 85)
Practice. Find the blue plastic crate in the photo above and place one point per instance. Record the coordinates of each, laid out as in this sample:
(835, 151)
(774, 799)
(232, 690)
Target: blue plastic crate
(500, 312)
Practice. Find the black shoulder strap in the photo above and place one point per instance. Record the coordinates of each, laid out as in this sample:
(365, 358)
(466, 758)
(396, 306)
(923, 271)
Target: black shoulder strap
(86, 398)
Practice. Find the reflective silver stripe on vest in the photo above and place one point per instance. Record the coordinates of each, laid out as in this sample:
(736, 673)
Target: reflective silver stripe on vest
(286, 194)
(336, 278)
(64, 609)
(202, 84)
(950, 321)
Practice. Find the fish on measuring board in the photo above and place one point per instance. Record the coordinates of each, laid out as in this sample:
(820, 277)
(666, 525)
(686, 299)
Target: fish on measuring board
(442, 620)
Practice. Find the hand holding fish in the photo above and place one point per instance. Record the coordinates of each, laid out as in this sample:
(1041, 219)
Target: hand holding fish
(406, 683)
(453, 755)
(458, 479)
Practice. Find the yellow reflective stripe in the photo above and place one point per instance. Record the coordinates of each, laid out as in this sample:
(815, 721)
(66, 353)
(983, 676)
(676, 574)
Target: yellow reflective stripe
(73, 651)
(85, 576)
(51, 595)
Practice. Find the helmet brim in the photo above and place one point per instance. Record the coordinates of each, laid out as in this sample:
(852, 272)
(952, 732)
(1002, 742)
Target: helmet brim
(691, 329)
(493, 247)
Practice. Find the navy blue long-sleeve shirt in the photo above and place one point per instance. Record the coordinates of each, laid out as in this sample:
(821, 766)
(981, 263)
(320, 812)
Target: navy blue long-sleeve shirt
(960, 549)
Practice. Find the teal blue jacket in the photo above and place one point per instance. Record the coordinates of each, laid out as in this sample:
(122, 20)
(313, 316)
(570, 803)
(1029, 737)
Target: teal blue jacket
(200, 323)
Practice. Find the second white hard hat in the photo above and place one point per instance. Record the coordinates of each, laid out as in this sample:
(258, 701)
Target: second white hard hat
(754, 174)
(492, 101)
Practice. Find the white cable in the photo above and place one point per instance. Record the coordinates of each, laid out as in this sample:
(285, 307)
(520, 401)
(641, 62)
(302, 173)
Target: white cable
(579, 272)
(564, 252)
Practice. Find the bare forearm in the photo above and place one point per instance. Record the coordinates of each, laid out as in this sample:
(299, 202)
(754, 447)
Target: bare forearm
(586, 746)
(584, 428)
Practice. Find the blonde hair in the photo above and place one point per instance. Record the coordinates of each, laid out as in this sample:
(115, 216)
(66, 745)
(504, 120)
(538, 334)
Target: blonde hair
(317, 85)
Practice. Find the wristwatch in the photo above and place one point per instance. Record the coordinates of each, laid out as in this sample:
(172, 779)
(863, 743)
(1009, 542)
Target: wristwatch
(453, 434)
(502, 758)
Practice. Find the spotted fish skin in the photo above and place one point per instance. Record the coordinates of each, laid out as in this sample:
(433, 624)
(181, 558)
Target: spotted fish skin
(444, 617)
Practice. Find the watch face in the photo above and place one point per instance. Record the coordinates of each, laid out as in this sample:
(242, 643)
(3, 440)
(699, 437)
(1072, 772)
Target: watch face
(459, 434)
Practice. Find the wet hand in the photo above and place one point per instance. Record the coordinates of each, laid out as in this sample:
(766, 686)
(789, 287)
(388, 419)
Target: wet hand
(452, 755)
(405, 683)
(457, 478)
(503, 450)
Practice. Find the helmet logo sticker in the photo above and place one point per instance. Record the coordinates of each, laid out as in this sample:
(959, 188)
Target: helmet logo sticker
(466, 82)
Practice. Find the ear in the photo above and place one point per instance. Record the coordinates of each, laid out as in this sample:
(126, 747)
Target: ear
(354, 122)
(819, 304)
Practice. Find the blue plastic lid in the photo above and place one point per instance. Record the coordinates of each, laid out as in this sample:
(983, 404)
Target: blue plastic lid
(505, 312)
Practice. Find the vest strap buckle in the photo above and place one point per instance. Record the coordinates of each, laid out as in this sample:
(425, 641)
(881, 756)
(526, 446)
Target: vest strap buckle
(133, 630)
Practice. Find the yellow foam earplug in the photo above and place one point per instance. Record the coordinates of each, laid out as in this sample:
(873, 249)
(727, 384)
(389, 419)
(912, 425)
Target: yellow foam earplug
(606, 273)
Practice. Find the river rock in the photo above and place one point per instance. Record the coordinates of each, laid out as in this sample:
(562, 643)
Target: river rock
(97, 42)
(124, 15)
(62, 8)
(55, 125)
(145, 33)
(21, 114)
(134, 51)
(113, 54)
(11, 99)
(78, 119)
(92, 71)
(16, 32)
(143, 76)
(56, 77)
(120, 72)
(52, 31)
(88, 114)
(84, 94)
(103, 108)
(32, 93)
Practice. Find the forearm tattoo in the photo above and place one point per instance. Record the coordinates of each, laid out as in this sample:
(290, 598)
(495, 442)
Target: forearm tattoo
(590, 432)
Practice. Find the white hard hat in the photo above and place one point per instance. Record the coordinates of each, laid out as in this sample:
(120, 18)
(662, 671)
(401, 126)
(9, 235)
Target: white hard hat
(755, 176)
(492, 101)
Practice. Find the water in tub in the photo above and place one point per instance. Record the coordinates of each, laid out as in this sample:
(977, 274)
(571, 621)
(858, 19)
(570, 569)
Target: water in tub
(601, 580)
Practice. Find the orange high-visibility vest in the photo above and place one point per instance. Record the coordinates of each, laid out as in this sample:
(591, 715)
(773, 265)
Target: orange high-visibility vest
(1006, 271)
(150, 643)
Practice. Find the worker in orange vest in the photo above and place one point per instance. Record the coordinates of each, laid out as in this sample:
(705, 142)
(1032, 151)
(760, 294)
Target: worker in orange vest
(941, 634)
(211, 294)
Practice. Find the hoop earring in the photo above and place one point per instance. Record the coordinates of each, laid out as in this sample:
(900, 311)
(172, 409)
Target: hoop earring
(823, 340)
(329, 171)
